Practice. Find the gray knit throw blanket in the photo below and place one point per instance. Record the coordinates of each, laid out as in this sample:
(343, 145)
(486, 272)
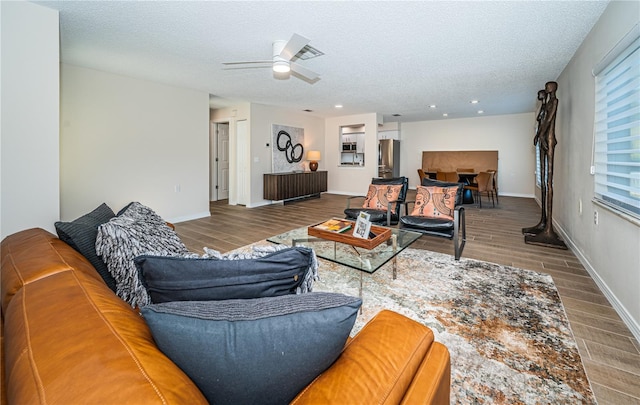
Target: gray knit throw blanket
(137, 231)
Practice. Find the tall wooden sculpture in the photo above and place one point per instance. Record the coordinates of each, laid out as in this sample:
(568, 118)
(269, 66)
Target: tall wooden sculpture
(542, 168)
(543, 233)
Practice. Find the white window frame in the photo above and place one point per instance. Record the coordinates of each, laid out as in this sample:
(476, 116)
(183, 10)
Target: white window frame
(616, 157)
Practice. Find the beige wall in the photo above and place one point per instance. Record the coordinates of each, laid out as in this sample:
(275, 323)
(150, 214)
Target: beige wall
(125, 139)
(30, 117)
(262, 118)
(610, 250)
(511, 135)
(355, 179)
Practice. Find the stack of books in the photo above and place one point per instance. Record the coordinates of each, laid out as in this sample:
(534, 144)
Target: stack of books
(335, 225)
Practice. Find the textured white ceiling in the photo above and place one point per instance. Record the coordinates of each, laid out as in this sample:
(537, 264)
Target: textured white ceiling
(382, 56)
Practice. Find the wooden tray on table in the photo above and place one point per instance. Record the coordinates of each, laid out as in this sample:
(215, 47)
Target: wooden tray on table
(382, 234)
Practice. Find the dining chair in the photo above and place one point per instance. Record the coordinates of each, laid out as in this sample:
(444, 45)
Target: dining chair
(451, 177)
(422, 175)
(483, 184)
(494, 183)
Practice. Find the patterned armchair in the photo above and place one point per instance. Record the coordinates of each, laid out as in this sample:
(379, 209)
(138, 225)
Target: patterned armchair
(438, 211)
(383, 201)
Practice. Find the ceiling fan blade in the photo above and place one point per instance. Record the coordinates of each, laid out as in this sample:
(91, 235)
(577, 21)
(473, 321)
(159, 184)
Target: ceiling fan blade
(246, 63)
(303, 71)
(246, 67)
(295, 44)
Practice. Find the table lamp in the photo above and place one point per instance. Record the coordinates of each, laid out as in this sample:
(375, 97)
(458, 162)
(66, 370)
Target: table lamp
(313, 156)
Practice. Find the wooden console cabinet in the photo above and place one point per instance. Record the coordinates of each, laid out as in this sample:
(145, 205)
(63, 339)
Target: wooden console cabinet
(287, 186)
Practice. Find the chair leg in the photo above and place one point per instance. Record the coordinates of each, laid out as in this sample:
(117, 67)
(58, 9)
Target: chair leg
(459, 222)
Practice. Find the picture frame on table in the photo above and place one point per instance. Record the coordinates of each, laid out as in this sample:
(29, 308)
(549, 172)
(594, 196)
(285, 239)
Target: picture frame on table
(363, 226)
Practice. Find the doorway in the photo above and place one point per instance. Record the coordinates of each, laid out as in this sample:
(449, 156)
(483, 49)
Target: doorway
(219, 170)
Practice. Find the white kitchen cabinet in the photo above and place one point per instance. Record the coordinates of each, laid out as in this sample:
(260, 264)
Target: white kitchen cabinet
(360, 143)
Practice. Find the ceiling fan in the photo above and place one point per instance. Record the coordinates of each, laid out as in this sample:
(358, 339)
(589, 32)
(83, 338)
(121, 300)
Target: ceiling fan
(285, 53)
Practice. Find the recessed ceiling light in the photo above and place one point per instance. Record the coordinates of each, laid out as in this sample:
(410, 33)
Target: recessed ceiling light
(338, 105)
(432, 106)
(480, 112)
(397, 115)
(474, 101)
(307, 110)
(445, 115)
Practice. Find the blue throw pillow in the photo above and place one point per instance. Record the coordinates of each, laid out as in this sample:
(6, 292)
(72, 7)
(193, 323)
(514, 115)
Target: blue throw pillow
(195, 279)
(256, 351)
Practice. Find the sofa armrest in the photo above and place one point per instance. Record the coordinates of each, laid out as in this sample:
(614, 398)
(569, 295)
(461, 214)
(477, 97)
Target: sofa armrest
(432, 382)
(379, 365)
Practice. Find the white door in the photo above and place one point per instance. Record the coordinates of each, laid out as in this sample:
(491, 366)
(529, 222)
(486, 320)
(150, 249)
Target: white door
(222, 161)
(242, 162)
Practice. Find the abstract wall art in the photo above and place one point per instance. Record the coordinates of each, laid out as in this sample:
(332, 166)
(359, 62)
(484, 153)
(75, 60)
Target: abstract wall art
(287, 150)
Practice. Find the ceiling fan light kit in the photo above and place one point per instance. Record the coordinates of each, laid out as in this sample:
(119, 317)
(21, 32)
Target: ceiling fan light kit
(281, 66)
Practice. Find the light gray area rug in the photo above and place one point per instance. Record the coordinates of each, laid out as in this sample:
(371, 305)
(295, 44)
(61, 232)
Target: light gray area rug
(505, 328)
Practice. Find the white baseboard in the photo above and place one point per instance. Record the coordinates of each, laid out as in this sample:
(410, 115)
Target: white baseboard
(263, 203)
(177, 220)
(517, 195)
(341, 192)
(631, 323)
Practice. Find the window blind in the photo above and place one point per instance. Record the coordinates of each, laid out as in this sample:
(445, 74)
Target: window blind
(617, 130)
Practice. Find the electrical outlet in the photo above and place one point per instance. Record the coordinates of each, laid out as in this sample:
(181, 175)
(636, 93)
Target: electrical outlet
(177, 188)
(595, 217)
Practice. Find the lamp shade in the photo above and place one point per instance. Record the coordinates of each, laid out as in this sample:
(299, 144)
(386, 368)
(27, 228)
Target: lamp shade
(313, 155)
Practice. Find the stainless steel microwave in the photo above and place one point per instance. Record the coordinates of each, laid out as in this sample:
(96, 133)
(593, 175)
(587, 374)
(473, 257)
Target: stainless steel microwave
(348, 147)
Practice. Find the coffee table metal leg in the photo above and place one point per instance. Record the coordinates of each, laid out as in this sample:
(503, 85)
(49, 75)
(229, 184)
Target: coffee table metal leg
(360, 292)
(394, 242)
(394, 268)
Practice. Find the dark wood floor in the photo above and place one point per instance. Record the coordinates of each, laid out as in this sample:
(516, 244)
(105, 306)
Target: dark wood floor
(610, 353)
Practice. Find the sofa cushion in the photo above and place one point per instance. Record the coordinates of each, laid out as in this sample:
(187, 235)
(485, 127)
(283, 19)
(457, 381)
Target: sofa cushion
(81, 235)
(197, 279)
(375, 216)
(68, 339)
(379, 195)
(136, 231)
(263, 350)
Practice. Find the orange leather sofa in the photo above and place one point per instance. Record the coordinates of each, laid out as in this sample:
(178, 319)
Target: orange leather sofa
(68, 339)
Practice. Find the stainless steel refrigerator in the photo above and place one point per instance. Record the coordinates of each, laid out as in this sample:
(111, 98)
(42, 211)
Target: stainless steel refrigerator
(388, 158)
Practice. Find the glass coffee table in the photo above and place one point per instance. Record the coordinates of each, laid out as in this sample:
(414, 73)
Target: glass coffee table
(358, 258)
